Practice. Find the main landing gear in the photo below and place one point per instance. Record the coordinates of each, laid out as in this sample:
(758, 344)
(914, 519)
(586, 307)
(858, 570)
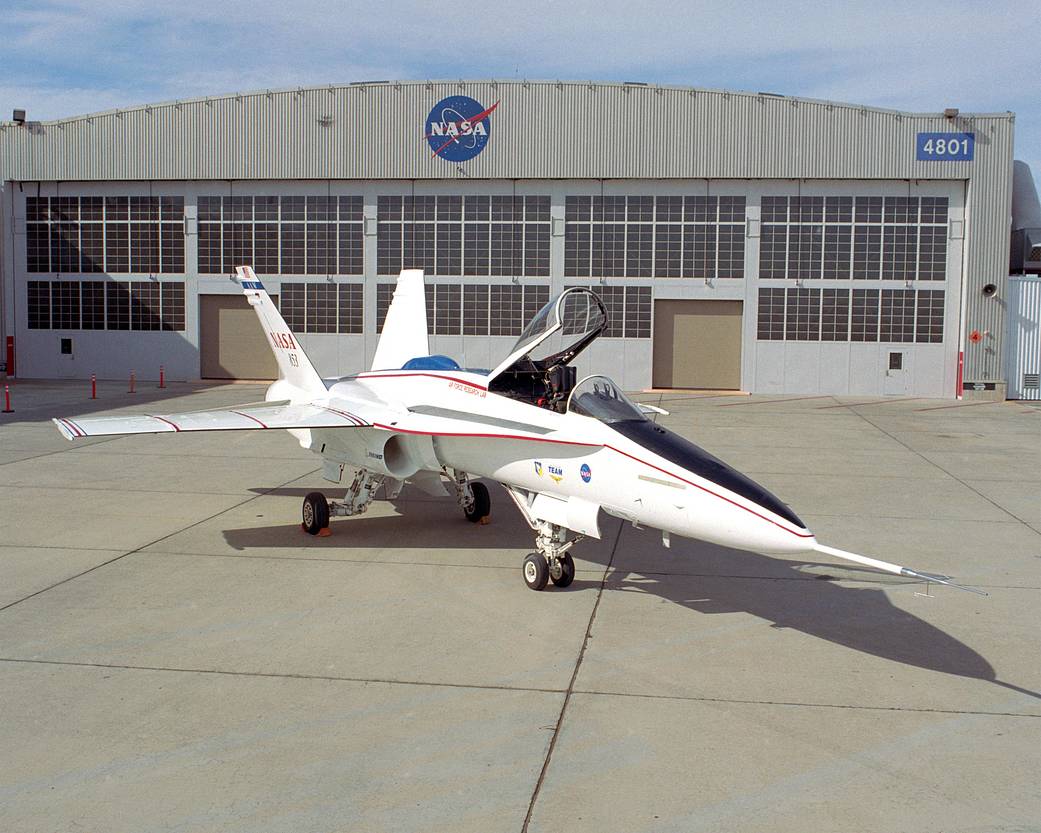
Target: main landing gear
(473, 498)
(317, 509)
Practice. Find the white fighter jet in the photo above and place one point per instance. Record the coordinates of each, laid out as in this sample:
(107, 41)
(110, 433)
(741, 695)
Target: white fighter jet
(566, 451)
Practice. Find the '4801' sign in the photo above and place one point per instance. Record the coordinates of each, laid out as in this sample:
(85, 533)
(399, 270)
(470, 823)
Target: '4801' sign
(945, 147)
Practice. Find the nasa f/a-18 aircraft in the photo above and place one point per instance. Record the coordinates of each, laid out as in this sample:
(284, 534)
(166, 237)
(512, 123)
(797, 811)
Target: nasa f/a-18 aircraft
(566, 451)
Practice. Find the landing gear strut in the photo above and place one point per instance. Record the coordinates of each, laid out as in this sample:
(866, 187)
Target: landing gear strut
(317, 509)
(557, 565)
(473, 498)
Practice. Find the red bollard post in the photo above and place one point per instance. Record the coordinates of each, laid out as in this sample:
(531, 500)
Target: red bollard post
(162, 378)
(7, 400)
(93, 387)
(132, 380)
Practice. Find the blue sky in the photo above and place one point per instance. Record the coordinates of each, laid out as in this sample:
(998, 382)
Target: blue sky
(79, 56)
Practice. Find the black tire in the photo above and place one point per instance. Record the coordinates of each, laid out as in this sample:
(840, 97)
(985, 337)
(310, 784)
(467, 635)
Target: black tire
(567, 571)
(315, 513)
(482, 503)
(536, 571)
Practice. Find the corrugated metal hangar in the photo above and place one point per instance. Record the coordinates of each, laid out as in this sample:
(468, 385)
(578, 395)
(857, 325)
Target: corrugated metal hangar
(739, 240)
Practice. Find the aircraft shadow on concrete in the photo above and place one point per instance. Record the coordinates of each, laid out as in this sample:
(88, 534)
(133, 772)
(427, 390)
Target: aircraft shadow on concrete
(704, 578)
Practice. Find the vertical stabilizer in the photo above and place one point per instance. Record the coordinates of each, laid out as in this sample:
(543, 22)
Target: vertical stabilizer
(404, 335)
(293, 364)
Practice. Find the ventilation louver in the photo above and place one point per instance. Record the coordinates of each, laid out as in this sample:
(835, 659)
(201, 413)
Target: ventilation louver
(1031, 381)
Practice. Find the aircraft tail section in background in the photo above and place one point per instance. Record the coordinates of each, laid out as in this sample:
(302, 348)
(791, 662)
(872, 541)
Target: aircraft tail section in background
(404, 335)
(293, 365)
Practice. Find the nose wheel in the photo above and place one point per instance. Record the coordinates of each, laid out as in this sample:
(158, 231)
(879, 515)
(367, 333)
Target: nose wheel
(552, 562)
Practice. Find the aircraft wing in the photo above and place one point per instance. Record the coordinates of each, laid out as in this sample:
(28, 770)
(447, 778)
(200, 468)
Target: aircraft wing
(242, 418)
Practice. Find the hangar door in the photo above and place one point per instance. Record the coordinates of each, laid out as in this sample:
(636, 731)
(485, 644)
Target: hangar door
(697, 344)
(232, 343)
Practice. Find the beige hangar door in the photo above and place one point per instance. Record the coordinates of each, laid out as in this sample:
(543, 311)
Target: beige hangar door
(697, 344)
(232, 344)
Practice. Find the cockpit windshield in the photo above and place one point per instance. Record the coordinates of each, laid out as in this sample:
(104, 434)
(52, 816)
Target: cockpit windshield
(600, 398)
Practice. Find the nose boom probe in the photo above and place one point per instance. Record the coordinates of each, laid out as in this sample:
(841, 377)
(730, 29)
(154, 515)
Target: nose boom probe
(895, 569)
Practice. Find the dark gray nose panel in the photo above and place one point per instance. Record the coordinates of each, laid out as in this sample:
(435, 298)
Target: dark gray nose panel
(685, 454)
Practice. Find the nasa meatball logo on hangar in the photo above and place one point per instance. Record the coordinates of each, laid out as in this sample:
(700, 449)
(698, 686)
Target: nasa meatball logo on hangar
(458, 128)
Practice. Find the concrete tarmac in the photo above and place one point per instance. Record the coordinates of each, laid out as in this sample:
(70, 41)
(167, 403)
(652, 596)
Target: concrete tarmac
(177, 655)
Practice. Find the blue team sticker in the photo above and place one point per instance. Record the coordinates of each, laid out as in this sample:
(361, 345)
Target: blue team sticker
(586, 473)
(458, 128)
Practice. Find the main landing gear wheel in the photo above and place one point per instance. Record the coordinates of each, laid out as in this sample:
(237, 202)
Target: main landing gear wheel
(482, 505)
(536, 571)
(563, 571)
(315, 513)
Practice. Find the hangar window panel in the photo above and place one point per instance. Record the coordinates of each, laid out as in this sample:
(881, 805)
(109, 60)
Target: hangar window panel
(65, 305)
(868, 210)
(238, 208)
(838, 210)
(637, 312)
(209, 248)
(536, 209)
(145, 306)
(864, 315)
(92, 208)
(536, 296)
(506, 304)
(477, 208)
(803, 315)
(448, 300)
(265, 209)
(699, 251)
(806, 209)
(507, 208)
(237, 241)
(668, 250)
(292, 237)
(700, 209)
(730, 262)
(144, 208)
(38, 302)
(771, 315)
(774, 209)
(384, 295)
(117, 247)
(291, 305)
(144, 247)
(476, 239)
(293, 209)
(92, 305)
(929, 316)
(578, 209)
(92, 247)
(449, 247)
(352, 249)
(322, 208)
(639, 244)
(640, 209)
(37, 247)
(506, 248)
(773, 251)
(172, 295)
(899, 252)
(66, 208)
(449, 208)
(117, 306)
(321, 313)
(388, 248)
(609, 250)
(577, 240)
(36, 209)
(934, 210)
(423, 207)
(805, 251)
(838, 251)
(867, 252)
(732, 210)
(900, 210)
(171, 247)
(668, 209)
(389, 208)
(171, 209)
(351, 308)
(835, 315)
(932, 253)
(898, 315)
(475, 310)
(609, 209)
(65, 247)
(536, 249)
(418, 246)
(265, 248)
(209, 209)
(321, 248)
